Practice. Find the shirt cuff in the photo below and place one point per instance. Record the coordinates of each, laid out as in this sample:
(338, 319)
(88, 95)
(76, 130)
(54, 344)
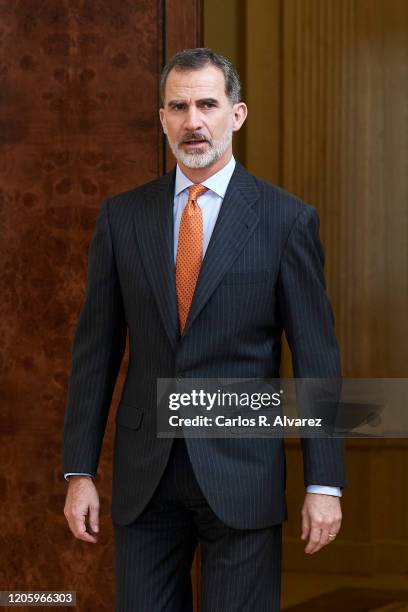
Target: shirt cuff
(323, 490)
(76, 474)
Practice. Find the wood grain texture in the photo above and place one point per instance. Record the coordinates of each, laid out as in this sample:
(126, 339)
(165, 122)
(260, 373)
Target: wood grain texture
(264, 89)
(79, 101)
(345, 150)
(356, 599)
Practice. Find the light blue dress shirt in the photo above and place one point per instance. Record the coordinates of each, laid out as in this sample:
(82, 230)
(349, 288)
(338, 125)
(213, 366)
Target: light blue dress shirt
(210, 204)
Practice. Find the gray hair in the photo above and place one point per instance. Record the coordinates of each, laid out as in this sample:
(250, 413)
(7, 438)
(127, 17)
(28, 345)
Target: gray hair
(199, 57)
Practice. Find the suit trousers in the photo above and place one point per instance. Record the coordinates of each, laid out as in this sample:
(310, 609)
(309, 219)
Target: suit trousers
(240, 568)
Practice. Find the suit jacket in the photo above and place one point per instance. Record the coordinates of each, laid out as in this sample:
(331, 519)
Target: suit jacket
(262, 273)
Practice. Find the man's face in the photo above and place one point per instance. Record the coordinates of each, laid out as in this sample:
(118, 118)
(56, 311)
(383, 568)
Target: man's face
(198, 117)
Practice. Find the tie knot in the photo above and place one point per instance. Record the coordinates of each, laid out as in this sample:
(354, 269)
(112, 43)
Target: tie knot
(194, 191)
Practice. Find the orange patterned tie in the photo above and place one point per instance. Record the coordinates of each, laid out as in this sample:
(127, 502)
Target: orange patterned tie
(189, 252)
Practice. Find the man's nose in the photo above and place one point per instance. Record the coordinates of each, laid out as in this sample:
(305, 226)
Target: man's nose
(193, 119)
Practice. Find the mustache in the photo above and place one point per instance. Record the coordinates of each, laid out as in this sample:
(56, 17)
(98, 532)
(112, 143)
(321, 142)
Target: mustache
(195, 136)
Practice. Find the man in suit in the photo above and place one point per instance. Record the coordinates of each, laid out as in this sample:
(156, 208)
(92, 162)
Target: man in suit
(204, 267)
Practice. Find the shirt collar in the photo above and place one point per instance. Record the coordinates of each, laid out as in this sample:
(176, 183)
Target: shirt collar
(218, 182)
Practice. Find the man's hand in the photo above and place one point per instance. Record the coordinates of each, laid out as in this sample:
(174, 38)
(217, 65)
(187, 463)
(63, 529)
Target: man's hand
(321, 520)
(82, 497)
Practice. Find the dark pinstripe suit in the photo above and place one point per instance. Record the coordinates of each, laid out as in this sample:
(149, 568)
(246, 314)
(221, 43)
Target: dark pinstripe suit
(262, 273)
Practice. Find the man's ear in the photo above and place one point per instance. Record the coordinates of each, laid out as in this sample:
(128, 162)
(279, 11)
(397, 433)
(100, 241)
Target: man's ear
(240, 114)
(162, 119)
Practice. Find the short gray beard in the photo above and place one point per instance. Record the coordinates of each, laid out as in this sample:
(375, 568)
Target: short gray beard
(198, 159)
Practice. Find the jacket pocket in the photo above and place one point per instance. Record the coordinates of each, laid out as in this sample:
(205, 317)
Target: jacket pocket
(129, 416)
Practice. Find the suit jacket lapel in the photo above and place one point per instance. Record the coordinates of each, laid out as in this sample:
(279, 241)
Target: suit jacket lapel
(153, 222)
(235, 223)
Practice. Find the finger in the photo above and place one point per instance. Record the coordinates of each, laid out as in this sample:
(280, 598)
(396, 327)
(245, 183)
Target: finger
(314, 539)
(94, 517)
(325, 534)
(324, 538)
(81, 533)
(334, 530)
(336, 526)
(87, 537)
(79, 527)
(305, 525)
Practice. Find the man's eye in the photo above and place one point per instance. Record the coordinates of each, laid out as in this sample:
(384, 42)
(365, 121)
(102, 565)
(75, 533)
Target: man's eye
(209, 104)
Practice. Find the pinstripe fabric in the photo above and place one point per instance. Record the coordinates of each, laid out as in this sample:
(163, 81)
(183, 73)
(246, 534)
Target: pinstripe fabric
(262, 273)
(240, 569)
